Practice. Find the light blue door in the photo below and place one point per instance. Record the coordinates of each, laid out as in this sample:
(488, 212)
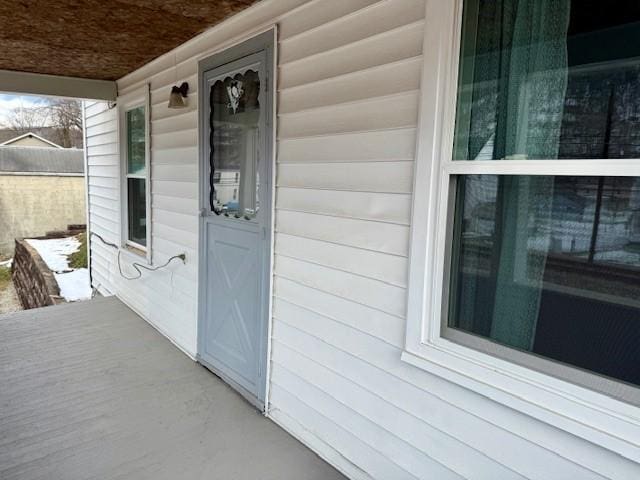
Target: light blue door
(235, 236)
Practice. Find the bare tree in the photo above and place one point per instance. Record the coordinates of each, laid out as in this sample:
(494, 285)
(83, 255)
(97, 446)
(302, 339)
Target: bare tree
(22, 120)
(66, 116)
(58, 120)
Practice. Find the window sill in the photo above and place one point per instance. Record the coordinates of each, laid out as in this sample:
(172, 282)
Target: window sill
(136, 254)
(592, 416)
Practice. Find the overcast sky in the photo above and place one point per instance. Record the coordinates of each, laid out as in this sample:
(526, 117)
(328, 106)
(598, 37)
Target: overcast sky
(9, 102)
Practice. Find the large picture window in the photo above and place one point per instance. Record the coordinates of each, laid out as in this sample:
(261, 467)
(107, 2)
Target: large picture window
(525, 249)
(548, 264)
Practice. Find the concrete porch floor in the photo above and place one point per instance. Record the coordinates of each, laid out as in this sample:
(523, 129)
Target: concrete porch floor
(91, 391)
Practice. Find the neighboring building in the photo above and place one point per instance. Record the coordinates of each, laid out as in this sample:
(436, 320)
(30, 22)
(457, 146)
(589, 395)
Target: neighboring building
(41, 189)
(55, 135)
(29, 139)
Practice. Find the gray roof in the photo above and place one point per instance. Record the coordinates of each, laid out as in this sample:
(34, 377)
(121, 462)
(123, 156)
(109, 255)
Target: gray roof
(41, 160)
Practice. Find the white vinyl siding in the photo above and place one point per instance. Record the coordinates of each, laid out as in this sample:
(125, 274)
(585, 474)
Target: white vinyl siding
(165, 298)
(348, 96)
(103, 188)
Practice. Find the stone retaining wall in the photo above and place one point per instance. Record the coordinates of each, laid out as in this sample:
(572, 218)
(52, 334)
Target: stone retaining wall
(34, 282)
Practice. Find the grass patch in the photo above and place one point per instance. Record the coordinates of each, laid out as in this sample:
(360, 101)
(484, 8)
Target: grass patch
(5, 277)
(79, 259)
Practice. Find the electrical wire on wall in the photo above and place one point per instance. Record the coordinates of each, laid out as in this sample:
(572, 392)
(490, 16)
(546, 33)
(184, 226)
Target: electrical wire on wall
(138, 266)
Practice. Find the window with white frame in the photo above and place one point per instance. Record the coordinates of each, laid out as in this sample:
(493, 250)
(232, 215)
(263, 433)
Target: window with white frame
(135, 173)
(527, 265)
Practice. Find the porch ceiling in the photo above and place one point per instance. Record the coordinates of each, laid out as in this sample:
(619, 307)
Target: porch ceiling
(100, 39)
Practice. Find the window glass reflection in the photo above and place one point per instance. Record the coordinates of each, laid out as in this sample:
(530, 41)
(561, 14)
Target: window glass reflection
(551, 265)
(235, 116)
(136, 141)
(548, 79)
(137, 210)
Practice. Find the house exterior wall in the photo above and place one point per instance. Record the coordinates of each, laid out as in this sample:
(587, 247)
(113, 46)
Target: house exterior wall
(31, 205)
(347, 110)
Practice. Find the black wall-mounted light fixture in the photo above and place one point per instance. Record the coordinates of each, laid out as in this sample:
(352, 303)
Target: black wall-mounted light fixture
(178, 94)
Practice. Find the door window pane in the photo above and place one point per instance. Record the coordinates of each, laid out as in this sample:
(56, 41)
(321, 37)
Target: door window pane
(136, 141)
(137, 210)
(551, 265)
(235, 147)
(549, 79)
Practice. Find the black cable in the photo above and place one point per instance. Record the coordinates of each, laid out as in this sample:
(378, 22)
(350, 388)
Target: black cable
(113, 245)
(137, 266)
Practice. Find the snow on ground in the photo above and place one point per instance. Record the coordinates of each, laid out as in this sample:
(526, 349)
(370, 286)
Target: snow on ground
(54, 251)
(74, 283)
(6, 263)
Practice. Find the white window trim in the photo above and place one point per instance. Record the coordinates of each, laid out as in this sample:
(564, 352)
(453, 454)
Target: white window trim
(139, 98)
(585, 413)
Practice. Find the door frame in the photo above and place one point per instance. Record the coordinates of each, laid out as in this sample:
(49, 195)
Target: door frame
(265, 41)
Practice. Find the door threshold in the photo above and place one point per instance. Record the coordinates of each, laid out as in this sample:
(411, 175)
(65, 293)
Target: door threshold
(242, 391)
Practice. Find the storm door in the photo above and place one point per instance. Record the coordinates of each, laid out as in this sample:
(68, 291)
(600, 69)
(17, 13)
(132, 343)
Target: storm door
(236, 221)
